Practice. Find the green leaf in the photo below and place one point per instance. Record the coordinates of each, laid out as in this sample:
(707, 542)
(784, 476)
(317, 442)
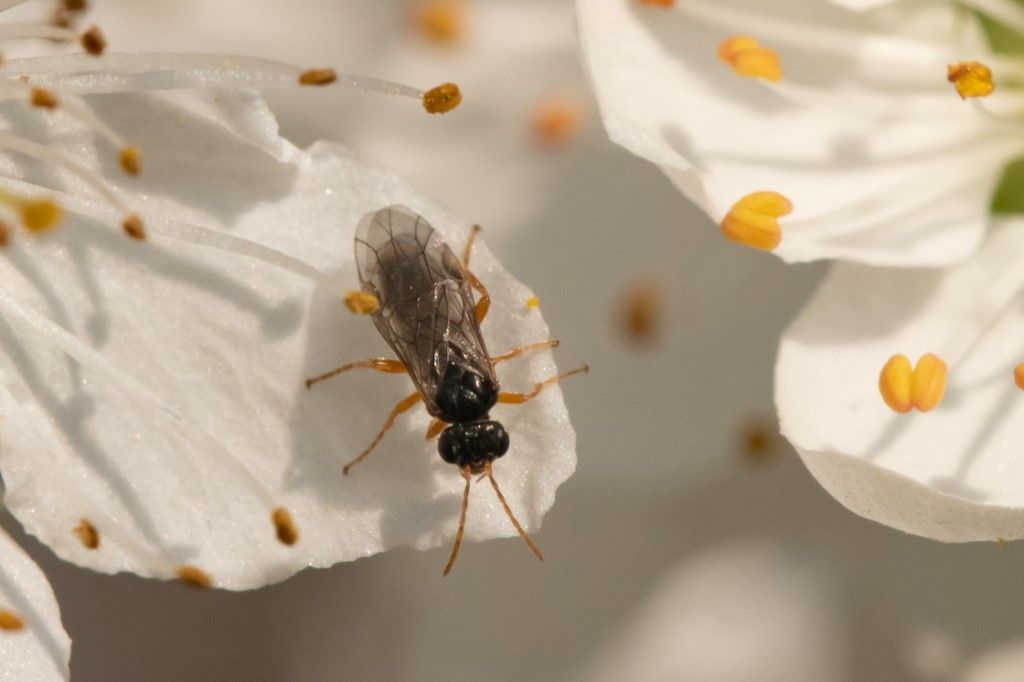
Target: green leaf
(1009, 194)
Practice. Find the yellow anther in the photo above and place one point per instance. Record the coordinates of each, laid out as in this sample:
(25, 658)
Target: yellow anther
(9, 620)
(929, 382)
(1018, 376)
(87, 533)
(904, 388)
(440, 21)
(896, 383)
(43, 98)
(972, 79)
(284, 525)
(317, 77)
(442, 99)
(40, 215)
(642, 311)
(130, 159)
(532, 303)
(361, 302)
(133, 227)
(747, 58)
(556, 121)
(659, 3)
(753, 220)
(93, 41)
(194, 577)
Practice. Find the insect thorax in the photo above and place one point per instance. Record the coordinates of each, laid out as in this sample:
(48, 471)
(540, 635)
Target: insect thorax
(464, 394)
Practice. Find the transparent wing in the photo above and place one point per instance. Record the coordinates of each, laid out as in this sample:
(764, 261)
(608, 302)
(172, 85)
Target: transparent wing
(426, 313)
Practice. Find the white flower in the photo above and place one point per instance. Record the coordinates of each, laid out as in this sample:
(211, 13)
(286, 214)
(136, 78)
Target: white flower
(33, 644)
(955, 473)
(861, 136)
(155, 388)
(737, 612)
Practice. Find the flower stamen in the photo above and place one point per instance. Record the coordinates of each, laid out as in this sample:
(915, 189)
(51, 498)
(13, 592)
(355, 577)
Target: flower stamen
(361, 302)
(921, 388)
(318, 77)
(442, 99)
(440, 21)
(194, 577)
(971, 79)
(753, 220)
(747, 58)
(87, 533)
(556, 121)
(1018, 376)
(10, 621)
(287, 531)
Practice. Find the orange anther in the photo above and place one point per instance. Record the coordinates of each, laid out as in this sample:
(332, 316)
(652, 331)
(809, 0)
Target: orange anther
(904, 388)
(753, 220)
(747, 58)
(972, 79)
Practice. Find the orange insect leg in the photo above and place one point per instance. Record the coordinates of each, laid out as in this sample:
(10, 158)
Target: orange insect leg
(519, 398)
(379, 364)
(403, 405)
(519, 350)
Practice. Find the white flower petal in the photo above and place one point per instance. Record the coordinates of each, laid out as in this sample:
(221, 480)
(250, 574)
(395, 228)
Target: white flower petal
(181, 418)
(41, 649)
(861, 5)
(881, 160)
(1003, 663)
(955, 473)
(734, 613)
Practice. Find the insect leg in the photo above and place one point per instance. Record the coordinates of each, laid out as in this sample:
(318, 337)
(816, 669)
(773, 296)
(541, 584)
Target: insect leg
(436, 427)
(468, 251)
(379, 364)
(485, 298)
(462, 524)
(403, 406)
(519, 398)
(519, 350)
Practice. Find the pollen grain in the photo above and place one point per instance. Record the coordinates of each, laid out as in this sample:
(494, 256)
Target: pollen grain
(284, 525)
(442, 99)
(440, 21)
(747, 58)
(130, 159)
(10, 621)
(904, 388)
(93, 41)
(361, 302)
(317, 77)
(43, 98)
(753, 220)
(87, 533)
(971, 79)
(194, 577)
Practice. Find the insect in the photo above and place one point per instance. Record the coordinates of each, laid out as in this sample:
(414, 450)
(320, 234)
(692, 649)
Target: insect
(428, 316)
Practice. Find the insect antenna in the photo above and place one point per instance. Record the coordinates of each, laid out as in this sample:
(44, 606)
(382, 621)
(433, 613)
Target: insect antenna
(508, 511)
(462, 525)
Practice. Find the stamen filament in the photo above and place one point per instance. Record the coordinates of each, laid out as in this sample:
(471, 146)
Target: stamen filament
(46, 155)
(114, 72)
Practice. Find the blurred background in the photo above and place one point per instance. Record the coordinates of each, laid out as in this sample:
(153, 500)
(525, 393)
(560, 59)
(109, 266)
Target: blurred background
(691, 544)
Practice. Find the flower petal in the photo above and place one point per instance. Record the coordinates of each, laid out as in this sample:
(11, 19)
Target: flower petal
(180, 421)
(882, 164)
(955, 473)
(39, 649)
(743, 611)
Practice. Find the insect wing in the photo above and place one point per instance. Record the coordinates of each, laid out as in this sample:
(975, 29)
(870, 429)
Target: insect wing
(426, 312)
